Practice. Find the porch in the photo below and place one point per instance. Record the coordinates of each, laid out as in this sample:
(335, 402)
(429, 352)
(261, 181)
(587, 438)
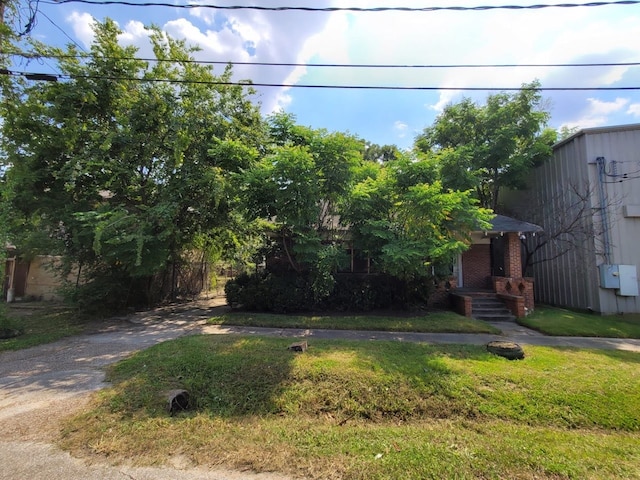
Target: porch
(493, 266)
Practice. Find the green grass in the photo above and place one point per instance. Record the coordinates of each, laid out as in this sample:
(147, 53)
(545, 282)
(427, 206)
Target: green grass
(437, 322)
(44, 325)
(560, 322)
(372, 410)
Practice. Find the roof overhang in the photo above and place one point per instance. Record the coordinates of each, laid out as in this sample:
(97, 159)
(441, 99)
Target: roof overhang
(502, 224)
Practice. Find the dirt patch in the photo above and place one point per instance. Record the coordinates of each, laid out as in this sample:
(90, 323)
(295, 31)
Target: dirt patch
(43, 424)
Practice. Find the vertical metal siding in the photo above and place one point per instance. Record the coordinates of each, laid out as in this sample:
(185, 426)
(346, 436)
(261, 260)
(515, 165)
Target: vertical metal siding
(624, 148)
(566, 280)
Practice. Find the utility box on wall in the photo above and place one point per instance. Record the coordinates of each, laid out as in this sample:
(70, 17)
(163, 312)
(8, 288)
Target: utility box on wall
(628, 275)
(609, 276)
(621, 277)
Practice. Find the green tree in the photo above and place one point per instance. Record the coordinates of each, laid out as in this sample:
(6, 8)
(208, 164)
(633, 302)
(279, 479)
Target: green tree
(299, 188)
(129, 166)
(405, 220)
(380, 153)
(489, 147)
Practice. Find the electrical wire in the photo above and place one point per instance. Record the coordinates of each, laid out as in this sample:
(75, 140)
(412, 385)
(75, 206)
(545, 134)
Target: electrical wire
(57, 76)
(32, 8)
(63, 32)
(346, 9)
(330, 65)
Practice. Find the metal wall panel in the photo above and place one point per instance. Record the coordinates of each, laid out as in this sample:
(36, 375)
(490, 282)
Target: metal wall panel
(555, 190)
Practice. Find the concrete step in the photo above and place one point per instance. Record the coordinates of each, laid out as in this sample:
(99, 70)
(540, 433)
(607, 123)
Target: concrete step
(504, 317)
(490, 309)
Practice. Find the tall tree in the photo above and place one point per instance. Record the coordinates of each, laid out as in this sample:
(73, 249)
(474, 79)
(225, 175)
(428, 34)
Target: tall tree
(299, 187)
(409, 223)
(129, 165)
(492, 146)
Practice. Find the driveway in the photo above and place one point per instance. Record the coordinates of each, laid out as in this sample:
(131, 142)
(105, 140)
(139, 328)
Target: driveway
(41, 385)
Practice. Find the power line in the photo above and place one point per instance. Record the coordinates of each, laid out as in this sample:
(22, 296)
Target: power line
(336, 65)
(346, 9)
(63, 32)
(55, 77)
(32, 6)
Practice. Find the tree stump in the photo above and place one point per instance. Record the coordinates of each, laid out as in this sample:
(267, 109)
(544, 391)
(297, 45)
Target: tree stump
(509, 350)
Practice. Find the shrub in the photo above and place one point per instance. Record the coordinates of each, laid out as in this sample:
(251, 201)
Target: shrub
(292, 292)
(9, 327)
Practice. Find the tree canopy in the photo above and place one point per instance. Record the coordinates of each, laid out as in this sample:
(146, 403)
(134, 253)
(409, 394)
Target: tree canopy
(405, 219)
(491, 146)
(128, 165)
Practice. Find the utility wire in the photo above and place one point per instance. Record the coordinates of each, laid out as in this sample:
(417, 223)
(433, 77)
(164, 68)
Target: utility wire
(345, 9)
(63, 32)
(332, 65)
(32, 7)
(55, 77)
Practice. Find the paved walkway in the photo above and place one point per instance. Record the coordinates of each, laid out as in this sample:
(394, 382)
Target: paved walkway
(56, 377)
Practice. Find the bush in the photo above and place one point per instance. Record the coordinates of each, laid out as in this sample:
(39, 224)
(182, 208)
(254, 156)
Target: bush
(9, 327)
(268, 292)
(291, 292)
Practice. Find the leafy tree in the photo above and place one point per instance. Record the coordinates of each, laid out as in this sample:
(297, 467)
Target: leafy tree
(408, 222)
(566, 132)
(489, 147)
(380, 153)
(129, 166)
(299, 187)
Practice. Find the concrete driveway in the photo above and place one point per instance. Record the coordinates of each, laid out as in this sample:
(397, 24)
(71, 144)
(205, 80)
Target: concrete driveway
(40, 385)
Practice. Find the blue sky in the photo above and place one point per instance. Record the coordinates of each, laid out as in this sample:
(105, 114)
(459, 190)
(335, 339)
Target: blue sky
(607, 34)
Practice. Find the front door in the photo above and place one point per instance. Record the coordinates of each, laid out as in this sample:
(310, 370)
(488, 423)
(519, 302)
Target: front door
(497, 257)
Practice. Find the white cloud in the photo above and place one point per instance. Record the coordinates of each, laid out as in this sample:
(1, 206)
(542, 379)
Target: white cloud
(599, 107)
(400, 128)
(446, 97)
(82, 24)
(597, 113)
(134, 33)
(634, 109)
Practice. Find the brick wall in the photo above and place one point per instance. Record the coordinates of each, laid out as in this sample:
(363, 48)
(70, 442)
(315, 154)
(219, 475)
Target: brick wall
(476, 266)
(440, 296)
(512, 256)
(520, 287)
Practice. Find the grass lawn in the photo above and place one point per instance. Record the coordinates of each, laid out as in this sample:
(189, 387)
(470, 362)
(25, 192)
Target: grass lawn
(436, 322)
(371, 410)
(557, 321)
(42, 325)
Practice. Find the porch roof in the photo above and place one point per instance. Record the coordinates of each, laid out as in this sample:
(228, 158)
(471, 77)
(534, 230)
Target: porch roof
(504, 224)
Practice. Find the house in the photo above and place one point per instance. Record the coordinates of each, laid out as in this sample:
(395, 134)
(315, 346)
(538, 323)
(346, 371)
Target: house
(587, 199)
(35, 279)
(492, 266)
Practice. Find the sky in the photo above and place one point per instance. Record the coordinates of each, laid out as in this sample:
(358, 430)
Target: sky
(604, 34)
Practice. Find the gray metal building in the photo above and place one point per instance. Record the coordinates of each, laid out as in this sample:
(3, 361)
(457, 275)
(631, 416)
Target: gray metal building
(587, 199)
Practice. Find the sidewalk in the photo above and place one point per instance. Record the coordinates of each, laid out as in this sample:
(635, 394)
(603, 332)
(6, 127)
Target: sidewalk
(512, 332)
